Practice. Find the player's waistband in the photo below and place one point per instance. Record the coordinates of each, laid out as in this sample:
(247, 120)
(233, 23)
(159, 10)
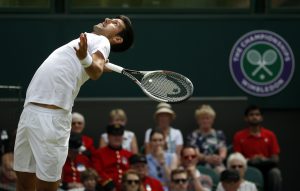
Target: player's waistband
(37, 108)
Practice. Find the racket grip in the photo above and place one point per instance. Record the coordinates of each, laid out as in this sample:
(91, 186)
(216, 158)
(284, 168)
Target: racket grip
(114, 67)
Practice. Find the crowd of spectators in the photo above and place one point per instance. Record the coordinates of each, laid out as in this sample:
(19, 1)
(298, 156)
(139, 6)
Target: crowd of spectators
(168, 161)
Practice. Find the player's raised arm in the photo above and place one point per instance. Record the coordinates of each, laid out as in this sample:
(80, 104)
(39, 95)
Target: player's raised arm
(93, 64)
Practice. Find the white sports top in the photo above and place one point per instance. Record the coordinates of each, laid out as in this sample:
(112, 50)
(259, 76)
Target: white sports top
(58, 80)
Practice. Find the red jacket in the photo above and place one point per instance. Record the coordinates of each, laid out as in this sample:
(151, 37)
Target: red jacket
(111, 165)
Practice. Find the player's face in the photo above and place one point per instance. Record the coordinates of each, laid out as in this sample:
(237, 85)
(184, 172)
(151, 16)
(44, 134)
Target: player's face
(110, 27)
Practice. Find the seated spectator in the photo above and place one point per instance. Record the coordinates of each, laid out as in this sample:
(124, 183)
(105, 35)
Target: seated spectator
(75, 164)
(210, 142)
(139, 163)
(189, 159)
(111, 161)
(160, 162)
(164, 115)
(179, 180)
(118, 116)
(90, 179)
(7, 174)
(78, 125)
(131, 181)
(236, 161)
(260, 146)
(230, 181)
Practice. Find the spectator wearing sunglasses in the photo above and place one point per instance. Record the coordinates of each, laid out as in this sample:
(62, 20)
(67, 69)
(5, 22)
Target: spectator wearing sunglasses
(138, 162)
(189, 158)
(78, 126)
(131, 181)
(179, 180)
(236, 161)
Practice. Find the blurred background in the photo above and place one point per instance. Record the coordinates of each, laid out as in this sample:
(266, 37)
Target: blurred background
(192, 37)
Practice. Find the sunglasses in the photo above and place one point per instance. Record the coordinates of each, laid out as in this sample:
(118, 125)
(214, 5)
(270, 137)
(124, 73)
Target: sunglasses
(132, 182)
(236, 166)
(179, 181)
(189, 157)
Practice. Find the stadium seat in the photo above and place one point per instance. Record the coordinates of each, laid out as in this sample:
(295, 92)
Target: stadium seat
(254, 175)
(210, 172)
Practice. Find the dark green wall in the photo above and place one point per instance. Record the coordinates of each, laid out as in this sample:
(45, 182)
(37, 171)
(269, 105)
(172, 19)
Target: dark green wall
(196, 46)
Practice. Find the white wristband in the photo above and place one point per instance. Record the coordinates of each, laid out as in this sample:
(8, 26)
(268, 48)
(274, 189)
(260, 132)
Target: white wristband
(87, 61)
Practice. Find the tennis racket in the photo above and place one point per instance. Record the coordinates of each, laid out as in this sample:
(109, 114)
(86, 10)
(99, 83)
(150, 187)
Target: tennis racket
(160, 85)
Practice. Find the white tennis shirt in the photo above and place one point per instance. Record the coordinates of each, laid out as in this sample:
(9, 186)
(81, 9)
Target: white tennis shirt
(58, 80)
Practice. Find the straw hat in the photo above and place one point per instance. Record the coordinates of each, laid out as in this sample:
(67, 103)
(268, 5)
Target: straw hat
(164, 108)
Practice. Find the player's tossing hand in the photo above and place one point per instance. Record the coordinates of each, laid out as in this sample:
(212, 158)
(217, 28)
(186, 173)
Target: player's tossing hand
(81, 51)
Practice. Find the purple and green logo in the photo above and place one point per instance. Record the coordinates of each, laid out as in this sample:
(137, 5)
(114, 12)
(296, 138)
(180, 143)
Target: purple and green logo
(261, 63)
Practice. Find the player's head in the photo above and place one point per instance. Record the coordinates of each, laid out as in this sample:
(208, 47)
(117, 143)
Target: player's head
(118, 31)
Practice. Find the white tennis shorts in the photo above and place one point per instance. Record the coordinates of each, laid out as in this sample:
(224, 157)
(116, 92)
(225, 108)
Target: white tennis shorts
(42, 139)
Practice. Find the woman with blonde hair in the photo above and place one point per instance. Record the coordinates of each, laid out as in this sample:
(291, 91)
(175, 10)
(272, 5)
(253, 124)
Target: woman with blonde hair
(210, 142)
(118, 116)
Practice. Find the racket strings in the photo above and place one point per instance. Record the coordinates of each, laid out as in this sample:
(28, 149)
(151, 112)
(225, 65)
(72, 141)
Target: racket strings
(168, 86)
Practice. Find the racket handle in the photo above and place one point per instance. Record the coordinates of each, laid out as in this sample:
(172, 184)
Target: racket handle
(114, 67)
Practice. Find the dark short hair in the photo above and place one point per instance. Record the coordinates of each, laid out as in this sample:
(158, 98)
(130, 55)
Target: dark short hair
(127, 35)
(137, 158)
(187, 146)
(178, 171)
(251, 108)
(230, 175)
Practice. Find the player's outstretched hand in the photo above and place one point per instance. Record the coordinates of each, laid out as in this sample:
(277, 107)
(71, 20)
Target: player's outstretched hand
(81, 51)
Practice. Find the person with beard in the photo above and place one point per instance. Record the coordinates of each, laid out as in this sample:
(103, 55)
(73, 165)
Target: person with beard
(260, 146)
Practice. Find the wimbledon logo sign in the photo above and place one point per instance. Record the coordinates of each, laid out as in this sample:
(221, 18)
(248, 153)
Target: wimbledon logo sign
(261, 63)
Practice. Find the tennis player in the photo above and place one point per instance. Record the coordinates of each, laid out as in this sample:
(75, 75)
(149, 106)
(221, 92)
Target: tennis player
(44, 127)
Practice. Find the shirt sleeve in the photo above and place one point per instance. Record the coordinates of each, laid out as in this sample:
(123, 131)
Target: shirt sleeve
(179, 138)
(147, 135)
(99, 43)
(275, 146)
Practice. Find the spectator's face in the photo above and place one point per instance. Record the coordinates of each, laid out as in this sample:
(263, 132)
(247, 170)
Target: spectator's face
(119, 120)
(141, 168)
(90, 184)
(179, 182)
(115, 140)
(254, 117)
(205, 121)
(189, 157)
(163, 120)
(77, 126)
(132, 182)
(239, 166)
(157, 140)
(231, 186)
